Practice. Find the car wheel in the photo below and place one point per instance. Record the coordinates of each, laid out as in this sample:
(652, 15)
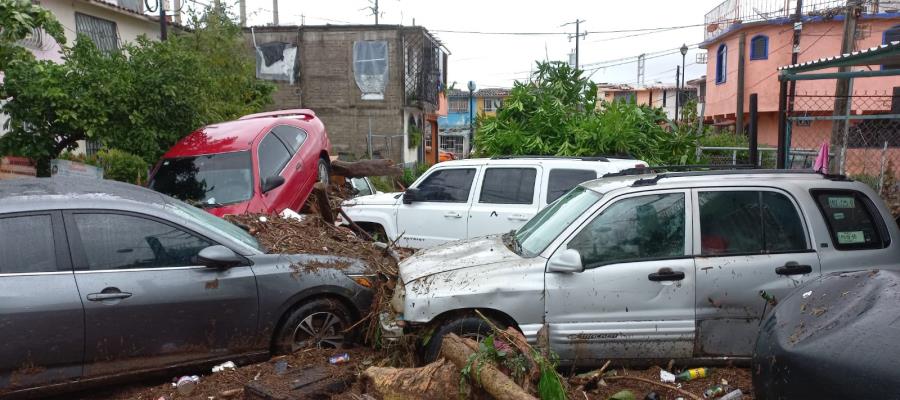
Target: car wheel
(318, 323)
(323, 171)
(473, 328)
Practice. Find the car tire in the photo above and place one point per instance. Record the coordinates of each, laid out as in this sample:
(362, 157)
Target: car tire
(315, 323)
(471, 327)
(323, 171)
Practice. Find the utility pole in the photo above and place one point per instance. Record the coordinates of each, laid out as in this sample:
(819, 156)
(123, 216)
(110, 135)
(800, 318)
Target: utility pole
(792, 88)
(243, 11)
(640, 66)
(163, 33)
(739, 107)
(373, 8)
(578, 35)
(842, 87)
(275, 12)
(677, 89)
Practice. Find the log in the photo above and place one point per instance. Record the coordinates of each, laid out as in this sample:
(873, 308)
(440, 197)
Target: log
(496, 383)
(438, 380)
(363, 168)
(320, 194)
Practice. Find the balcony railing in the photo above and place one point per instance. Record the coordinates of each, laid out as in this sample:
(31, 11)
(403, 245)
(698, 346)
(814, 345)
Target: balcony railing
(733, 12)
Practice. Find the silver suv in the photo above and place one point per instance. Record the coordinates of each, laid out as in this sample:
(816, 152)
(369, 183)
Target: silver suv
(652, 266)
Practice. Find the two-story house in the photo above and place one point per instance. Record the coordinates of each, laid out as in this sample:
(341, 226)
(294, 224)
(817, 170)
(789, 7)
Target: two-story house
(767, 30)
(658, 95)
(463, 109)
(377, 88)
(108, 23)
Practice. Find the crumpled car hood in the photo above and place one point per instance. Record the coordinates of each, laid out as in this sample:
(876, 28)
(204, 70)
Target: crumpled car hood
(374, 199)
(456, 255)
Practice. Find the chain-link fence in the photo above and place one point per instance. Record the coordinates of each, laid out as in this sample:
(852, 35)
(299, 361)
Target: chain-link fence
(863, 141)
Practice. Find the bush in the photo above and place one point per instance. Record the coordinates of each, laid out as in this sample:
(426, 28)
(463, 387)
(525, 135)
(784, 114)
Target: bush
(117, 165)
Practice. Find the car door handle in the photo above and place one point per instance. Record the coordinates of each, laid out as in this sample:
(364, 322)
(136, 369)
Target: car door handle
(666, 274)
(793, 269)
(108, 296)
(452, 215)
(517, 217)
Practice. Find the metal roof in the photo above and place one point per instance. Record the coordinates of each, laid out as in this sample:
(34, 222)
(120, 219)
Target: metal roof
(890, 52)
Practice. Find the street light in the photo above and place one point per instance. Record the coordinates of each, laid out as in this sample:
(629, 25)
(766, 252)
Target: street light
(684, 50)
(471, 115)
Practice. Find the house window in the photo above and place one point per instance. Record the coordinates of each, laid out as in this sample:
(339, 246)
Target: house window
(721, 67)
(102, 32)
(492, 104)
(759, 47)
(370, 68)
(891, 35)
(459, 105)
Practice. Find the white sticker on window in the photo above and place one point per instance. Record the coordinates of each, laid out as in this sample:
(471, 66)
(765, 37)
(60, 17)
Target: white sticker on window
(851, 237)
(841, 202)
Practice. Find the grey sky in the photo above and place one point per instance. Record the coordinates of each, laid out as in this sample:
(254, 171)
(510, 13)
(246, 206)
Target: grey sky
(498, 60)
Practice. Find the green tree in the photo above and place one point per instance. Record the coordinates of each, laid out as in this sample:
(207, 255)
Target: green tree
(141, 99)
(18, 19)
(556, 113)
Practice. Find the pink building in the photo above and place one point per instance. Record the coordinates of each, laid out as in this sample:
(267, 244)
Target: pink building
(767, 29)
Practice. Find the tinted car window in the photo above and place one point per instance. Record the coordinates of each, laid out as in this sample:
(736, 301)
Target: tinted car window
(852, 220)
(508, 186)
(292, 137)
(632, 229)
(749, 222)
(212, 179)
(563, 180)
(273, 156)
(447, 185)
(114, 241)
(27, 245)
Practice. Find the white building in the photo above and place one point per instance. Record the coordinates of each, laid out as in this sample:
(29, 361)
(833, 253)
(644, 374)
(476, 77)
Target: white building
(109, 23)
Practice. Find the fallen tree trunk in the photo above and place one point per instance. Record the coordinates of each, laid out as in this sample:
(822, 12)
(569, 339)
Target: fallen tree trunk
(496, 383)
(320, 194)
(363, 168)
(438, 380)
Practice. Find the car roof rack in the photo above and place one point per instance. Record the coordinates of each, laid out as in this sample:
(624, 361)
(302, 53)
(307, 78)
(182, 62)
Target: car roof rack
(663, 168)
(582, 158)
(731, 170)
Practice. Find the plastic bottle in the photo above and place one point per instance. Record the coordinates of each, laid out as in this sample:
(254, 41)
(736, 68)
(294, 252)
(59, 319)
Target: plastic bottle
(339, 359)
(692, 374)
(734, 395)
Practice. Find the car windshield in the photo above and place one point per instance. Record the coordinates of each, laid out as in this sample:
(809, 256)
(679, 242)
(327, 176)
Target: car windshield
(549, 223)
(208, 180)
(215, 223)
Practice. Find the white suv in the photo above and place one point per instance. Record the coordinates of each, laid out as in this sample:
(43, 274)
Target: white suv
(475, 197)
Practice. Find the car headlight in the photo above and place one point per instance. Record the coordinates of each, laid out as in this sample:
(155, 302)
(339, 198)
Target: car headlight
(399, 298)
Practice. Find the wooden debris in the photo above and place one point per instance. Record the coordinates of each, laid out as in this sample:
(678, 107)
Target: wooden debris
(494, 382)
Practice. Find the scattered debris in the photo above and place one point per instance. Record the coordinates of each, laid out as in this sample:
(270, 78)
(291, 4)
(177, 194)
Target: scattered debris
(807, 294)
(224, 366)
(666, 376)
(339, 359)
(691, 374)
(186, 384)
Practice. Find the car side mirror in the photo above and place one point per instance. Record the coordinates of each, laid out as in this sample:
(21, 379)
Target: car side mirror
(410, 195)
(568, 260)
(219, 256)
(272, 182)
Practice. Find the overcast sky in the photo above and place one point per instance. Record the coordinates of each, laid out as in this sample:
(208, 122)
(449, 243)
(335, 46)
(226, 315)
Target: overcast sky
(498, 60)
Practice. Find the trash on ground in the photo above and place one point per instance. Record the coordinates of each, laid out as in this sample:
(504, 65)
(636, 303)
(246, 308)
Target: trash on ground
(339, 359)
(186, 384)
(666, 376)
(224, 366)
(691, 374)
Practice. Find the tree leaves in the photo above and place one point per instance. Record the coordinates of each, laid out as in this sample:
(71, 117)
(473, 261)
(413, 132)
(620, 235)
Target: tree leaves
(142, 98)
(557, 113)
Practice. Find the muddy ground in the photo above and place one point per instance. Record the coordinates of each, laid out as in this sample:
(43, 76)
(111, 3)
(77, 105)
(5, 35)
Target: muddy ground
(279, 372)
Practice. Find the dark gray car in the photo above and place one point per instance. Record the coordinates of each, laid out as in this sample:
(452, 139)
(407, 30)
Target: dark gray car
(100, 279)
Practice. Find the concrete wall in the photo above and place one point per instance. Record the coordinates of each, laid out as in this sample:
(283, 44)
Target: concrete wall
(818, 40)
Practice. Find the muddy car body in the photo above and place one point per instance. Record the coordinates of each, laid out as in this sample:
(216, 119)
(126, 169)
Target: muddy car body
(102, 279)
(658, 266)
